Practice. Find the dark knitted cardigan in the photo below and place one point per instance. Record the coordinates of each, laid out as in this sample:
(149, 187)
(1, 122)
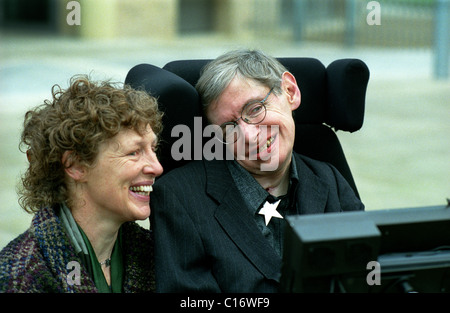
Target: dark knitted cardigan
(37, 260)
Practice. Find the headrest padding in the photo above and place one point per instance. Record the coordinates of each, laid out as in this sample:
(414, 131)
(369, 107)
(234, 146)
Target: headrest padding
(347, 84)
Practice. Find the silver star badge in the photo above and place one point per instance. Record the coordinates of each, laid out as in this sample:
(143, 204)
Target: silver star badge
(269, 210)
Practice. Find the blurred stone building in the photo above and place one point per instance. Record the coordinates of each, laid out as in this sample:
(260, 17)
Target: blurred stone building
(410, 24)
(144, 18)
(404, 23)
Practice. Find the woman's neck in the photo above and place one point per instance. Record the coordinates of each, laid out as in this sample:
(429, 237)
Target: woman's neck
(100, 230)
(102, 235)
(101, 238)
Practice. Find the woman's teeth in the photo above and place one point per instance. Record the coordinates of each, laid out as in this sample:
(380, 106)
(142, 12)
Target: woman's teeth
(142, 190)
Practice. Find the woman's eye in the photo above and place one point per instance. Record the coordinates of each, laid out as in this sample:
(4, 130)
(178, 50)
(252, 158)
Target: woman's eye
(133, 153)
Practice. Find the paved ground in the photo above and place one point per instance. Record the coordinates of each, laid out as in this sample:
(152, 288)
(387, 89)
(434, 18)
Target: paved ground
(400, 158)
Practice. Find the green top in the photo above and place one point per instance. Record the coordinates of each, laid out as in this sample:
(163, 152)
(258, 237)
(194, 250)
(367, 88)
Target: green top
(116, 266)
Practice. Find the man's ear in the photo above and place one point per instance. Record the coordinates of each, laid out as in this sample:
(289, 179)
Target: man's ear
(289, 85)
(73, 168)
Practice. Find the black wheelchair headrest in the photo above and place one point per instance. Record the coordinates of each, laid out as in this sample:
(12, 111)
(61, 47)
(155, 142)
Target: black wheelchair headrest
(177, 99)
(334, 95)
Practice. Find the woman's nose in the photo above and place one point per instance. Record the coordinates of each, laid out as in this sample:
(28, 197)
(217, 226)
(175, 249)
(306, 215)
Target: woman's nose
(153, 167)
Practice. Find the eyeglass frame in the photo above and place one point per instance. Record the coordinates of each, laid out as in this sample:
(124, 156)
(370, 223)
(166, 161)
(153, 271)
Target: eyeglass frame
(235, 124)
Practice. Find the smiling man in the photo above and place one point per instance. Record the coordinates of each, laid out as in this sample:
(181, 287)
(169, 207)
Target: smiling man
(219, 224)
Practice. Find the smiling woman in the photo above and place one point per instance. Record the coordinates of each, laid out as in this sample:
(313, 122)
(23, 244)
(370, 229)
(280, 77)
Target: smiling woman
(126, 177)
(79, 120)
(92, 164)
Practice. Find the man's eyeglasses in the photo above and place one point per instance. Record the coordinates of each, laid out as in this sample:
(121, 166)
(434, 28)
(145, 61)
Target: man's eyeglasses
(253, 113)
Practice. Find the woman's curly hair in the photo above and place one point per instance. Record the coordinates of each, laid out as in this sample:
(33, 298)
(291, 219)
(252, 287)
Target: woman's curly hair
(78, 119)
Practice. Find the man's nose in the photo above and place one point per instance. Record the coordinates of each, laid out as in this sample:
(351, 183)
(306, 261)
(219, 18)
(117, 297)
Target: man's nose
(249, 131)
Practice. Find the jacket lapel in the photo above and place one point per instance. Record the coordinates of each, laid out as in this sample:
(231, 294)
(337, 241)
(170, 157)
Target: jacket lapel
(311, 198)
(312, 193)
(237, 221)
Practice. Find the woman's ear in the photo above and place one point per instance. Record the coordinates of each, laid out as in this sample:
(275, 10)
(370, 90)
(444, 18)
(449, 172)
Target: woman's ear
(289, 85)
(73, 168)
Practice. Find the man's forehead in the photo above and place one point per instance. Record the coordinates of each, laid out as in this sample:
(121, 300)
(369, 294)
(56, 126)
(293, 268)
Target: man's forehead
(241, 91)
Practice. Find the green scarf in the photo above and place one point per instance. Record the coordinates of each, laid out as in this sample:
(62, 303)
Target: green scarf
(116, 266)
(87, 254)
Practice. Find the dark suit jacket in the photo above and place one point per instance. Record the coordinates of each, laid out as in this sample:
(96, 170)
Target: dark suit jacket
(207, 242)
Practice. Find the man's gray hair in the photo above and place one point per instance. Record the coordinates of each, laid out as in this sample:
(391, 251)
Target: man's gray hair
(249, 64)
